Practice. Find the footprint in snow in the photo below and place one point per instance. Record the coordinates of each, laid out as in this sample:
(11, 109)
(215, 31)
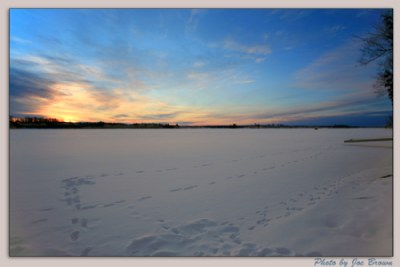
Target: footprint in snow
(190, 187)
(144, 198)
(39, 221)
(85, 252)
(175, 190)
(75, 235)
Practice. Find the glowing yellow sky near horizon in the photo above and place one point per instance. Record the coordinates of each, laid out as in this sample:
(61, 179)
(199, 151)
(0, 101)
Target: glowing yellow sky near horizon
(80, 102)
(75, 102)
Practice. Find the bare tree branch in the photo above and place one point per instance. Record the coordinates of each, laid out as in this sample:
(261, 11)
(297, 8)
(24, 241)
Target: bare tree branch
(378, 46)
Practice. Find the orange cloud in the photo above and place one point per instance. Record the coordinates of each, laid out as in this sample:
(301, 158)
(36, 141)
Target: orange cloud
(81, 102)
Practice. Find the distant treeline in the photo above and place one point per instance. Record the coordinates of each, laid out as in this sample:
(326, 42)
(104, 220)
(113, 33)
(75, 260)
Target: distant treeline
(269, 126)
(37, 122)
(52, 123)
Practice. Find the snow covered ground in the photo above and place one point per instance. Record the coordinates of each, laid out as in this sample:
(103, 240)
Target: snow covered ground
(200, 192)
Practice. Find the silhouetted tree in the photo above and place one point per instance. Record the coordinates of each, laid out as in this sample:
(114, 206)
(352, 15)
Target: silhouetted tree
(378, 45)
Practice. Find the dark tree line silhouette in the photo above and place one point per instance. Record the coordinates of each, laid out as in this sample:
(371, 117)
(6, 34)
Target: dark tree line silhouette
(53, 123)
(40, 122)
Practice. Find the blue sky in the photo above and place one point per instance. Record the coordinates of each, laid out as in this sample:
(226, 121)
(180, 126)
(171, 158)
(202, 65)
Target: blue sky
(194, 66)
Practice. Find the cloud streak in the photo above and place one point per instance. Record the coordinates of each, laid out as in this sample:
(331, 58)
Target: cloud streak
(336, 70)
(346, 105)
(247, 49)
(194, 19)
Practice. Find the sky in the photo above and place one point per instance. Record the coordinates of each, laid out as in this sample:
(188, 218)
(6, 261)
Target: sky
(195, 66)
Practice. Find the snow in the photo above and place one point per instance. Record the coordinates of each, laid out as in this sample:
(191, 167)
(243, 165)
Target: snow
(200, 192)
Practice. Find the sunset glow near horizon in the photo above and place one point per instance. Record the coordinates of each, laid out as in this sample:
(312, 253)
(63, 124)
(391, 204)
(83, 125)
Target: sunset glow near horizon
(194, 66)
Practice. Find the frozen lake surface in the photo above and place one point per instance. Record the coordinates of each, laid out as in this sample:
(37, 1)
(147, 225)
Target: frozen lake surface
(200, 192)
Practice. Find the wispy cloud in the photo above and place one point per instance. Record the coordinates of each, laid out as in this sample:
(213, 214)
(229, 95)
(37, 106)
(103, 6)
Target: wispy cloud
(262, 49)
(224, 78)
(245, 81)
(292, 15)
(19, 40)
(199, 63)
(350, 104)
(26, 83)
(57, 68)
(255, 52)
(28, 90)
(198, 76)
(362, 13)
(160, 116)
(194, 19)
(336, 70)
(121, 116)
(332, 30)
